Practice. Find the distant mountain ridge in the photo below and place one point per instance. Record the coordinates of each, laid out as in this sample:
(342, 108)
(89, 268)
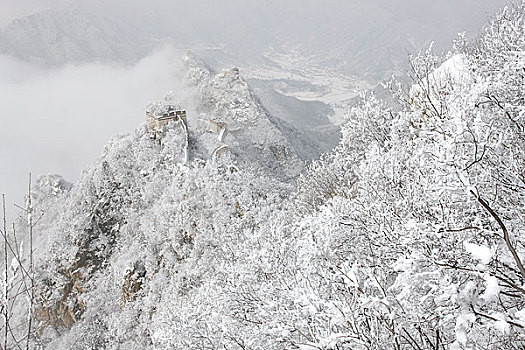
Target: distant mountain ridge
(366, 39)
(56, 38)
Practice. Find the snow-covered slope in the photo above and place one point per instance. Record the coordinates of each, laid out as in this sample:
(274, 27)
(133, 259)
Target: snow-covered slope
(250, 132)
(156, 219)
(308, 123)
(160, 216)
(190, 235)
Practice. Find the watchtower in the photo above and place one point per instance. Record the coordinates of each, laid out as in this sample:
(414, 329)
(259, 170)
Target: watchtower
(157, 118)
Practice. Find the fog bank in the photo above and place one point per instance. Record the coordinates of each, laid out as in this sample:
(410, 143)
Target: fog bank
(58, 121)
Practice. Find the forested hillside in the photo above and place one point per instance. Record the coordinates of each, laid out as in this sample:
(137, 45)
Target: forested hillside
(408, 235)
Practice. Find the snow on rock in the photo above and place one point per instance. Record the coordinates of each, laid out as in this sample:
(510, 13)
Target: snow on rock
(225, 94)
(196, 70)
(451, 72)
(251, 135)
(430, 86)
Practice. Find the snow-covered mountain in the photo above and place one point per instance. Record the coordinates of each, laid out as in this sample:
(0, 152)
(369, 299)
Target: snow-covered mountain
(251, 135)
(206, 232)
(203, 178)
(58, 37)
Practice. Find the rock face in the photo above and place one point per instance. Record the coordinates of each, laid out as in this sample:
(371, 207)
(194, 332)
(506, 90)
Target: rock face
(250, 131)
(66, 311)
(132, 284)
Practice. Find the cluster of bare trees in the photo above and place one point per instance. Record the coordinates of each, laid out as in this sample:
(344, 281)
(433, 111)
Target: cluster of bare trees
(18, 282)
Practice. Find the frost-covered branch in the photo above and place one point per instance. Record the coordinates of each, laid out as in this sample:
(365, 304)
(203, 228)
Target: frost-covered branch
(506, 235)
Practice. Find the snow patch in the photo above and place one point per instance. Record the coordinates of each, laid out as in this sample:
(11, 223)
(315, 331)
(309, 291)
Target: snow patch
(479, 252)
(463, 323)
(491, 288)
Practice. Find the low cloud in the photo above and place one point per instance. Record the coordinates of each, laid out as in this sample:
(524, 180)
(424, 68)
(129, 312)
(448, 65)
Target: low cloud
(58, 121)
